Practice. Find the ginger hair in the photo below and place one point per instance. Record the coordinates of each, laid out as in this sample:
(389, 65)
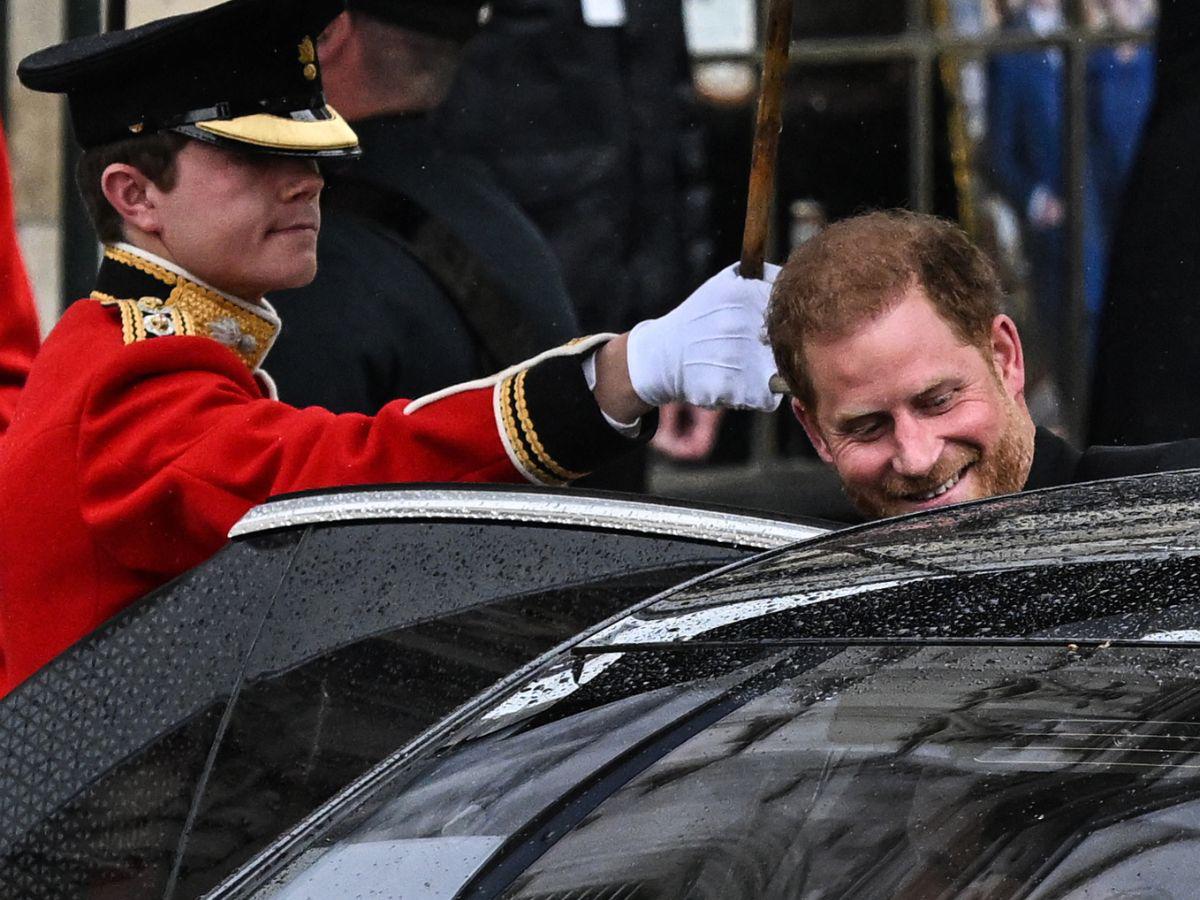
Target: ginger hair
(857, 269)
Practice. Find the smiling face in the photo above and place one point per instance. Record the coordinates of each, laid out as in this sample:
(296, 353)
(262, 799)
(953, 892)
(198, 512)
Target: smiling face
(243, 222)
(911, 417)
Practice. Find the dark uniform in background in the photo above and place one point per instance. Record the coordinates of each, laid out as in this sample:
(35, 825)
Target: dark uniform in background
(590, 122)
(585, 112)
(429, 274)
(1147, 385)
(376, 315)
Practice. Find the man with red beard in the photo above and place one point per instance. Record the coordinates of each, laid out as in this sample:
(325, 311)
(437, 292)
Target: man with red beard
(909, 380)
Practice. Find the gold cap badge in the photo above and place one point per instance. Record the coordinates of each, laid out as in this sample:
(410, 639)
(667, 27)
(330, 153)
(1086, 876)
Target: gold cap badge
(308, 56)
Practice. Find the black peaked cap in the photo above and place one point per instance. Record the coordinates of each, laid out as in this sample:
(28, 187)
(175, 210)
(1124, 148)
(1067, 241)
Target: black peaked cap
(201, 74)
(457, 20)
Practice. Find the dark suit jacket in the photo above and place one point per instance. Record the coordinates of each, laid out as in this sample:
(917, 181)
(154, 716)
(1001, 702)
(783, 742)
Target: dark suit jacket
(1055, 462)
(375, 324)
(1148, 360)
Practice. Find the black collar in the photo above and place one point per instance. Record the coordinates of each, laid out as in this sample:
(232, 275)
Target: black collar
(1054, 461)
(157, 302)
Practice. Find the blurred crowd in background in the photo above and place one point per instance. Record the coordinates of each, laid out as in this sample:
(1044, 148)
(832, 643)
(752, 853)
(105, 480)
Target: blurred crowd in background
(588, 160)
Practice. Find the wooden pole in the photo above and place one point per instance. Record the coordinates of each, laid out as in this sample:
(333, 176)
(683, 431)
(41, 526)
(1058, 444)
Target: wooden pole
(766, 146)
(766, 137)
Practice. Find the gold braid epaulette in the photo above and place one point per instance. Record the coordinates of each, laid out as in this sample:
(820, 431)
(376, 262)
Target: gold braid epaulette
(189, 309)
(148, 317)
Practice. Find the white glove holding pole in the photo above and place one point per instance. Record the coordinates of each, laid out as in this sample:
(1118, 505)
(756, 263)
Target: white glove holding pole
(709, 350)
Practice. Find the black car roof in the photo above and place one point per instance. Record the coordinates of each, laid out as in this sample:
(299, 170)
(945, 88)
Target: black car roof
(1115, 562)
(1116, 526)
(1106, 561)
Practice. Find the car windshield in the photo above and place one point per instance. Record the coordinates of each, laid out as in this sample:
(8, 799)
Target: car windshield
(862, 771)
(986, 700)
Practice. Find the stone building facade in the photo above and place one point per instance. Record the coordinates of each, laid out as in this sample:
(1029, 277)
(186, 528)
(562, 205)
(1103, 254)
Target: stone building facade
(34, 127)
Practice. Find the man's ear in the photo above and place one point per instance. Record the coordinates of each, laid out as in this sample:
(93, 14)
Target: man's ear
(128, 190)
(343, 71)
(333, 40)
(812, 429)
(1007, 355)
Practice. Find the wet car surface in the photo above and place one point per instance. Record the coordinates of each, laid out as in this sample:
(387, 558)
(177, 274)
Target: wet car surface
(157, 755)
(998, 699)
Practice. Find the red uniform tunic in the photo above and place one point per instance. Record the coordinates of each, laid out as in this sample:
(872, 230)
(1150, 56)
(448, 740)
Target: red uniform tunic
(145, 432)
(19, 334)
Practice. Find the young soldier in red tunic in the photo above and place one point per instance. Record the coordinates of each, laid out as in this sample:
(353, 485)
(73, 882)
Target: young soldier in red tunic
(148, 427)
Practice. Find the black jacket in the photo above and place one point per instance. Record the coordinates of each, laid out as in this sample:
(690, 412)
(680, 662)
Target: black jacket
(375, 324)
(1055, 462)
(594, 131)
(1147, 384)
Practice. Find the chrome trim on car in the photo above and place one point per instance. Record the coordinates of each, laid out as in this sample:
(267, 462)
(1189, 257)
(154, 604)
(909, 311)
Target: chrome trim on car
(564, 509)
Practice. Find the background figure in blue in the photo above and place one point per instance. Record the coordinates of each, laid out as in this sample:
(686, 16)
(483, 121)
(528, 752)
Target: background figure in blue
(1026, 130)
(1120, 89)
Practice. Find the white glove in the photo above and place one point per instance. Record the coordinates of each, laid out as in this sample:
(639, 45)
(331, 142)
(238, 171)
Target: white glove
(709, 350)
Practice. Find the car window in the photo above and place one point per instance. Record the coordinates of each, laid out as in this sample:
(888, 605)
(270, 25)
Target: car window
(102, 751)
(120, 833)
(855, 772)
(379, 631)
(936, 773)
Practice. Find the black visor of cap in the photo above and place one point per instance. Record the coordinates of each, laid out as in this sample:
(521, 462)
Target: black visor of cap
(244, 71)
